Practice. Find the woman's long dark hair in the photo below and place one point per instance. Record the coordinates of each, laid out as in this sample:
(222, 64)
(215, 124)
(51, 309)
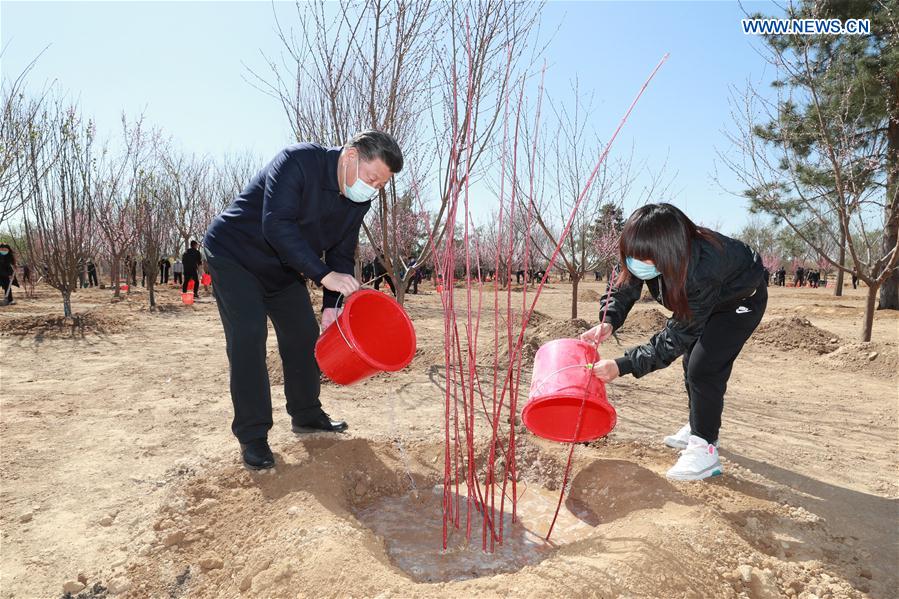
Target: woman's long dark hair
(663, 234)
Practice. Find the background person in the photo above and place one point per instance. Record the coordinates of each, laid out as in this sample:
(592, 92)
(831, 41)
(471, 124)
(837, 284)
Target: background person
(92, 274)
(178, 271)
(7, 273)
(191, 261)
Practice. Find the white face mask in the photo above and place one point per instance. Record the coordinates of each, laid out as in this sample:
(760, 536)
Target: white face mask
(360, 191)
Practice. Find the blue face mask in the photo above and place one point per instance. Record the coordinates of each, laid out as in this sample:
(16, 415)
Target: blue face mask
(642, 270)
(360, 191)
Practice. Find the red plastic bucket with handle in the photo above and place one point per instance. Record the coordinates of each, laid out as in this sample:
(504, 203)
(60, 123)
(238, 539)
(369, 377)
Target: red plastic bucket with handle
(372, 334)
(562, 382)
(187, 298)
(206, 279)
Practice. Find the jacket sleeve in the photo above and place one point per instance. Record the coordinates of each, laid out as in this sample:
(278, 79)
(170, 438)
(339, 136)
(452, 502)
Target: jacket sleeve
(342, 258)
(671, 342)
(281, 205)
(619, 303)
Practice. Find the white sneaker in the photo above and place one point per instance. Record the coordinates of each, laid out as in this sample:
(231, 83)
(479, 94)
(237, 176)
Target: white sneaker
(679, 439)
(698, 461)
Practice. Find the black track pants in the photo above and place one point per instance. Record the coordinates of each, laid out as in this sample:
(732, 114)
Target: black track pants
(709, 362)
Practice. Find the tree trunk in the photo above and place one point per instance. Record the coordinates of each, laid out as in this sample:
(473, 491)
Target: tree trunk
(400, 286)
(114, 277)
(868, 322)
(575, 281)
(889, 290)
(152, 289)
(67, 304)
(838, 288)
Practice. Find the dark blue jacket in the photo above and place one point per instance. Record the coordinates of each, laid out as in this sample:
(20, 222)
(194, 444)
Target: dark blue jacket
(291, 220)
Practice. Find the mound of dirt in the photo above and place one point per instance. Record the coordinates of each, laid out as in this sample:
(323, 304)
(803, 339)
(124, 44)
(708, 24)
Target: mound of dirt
(537, 318)
(79, 325)
(589, 295)
(867, 358)
(795, 333)
(547, 331)
(644, 321)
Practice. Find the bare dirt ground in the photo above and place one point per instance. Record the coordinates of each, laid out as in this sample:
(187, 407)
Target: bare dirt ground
(120, 476)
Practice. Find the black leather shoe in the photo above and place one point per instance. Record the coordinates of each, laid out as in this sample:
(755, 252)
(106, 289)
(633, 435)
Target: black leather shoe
(320, 423)
(257, 454)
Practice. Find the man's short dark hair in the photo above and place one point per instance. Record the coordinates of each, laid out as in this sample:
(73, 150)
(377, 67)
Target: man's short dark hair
(193, 244)
(373, 144)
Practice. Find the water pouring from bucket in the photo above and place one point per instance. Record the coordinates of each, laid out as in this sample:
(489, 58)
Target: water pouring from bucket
(566, 402)
(372, 334)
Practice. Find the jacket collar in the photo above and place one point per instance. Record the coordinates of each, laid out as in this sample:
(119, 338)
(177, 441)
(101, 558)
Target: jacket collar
(329, 181)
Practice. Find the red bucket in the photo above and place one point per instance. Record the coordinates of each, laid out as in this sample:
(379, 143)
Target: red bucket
(371, 335)
(206, 279)
(187, 298)
(560, 382)
(123, 286)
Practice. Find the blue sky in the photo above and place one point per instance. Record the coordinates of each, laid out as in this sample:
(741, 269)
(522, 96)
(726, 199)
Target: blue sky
(182, 64)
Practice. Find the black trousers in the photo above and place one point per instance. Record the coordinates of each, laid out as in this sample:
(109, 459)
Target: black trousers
(709, 362)
(388, 280)
(92, 278)
(178, 277)
(191, 276)
(6, 286)
(243, 306)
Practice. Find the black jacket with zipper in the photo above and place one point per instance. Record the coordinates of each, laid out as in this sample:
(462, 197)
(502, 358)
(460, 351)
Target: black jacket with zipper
(717, 279)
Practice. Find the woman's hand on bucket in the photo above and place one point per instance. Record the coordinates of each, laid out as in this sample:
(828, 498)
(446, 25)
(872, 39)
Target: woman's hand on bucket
(346, 285)
(597, 334)
(605, 370)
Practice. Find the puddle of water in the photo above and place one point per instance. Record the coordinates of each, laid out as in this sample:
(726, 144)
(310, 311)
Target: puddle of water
(411, 528)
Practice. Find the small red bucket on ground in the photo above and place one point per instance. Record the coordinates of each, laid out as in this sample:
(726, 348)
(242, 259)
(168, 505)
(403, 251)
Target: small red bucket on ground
(187, 298)
(373, 334)
(206, 279)
(123, 287)
(562, 378)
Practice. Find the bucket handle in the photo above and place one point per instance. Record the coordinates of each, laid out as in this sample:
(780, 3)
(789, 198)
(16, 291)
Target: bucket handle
(555, 372)
(337, 324)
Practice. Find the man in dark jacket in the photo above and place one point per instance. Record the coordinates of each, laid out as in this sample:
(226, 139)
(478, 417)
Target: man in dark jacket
(7, 273)
(308, 202)
(164, 266)
(92, 274)
(192, 260)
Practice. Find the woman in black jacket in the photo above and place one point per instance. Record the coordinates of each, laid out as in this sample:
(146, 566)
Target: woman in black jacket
(715, 287)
